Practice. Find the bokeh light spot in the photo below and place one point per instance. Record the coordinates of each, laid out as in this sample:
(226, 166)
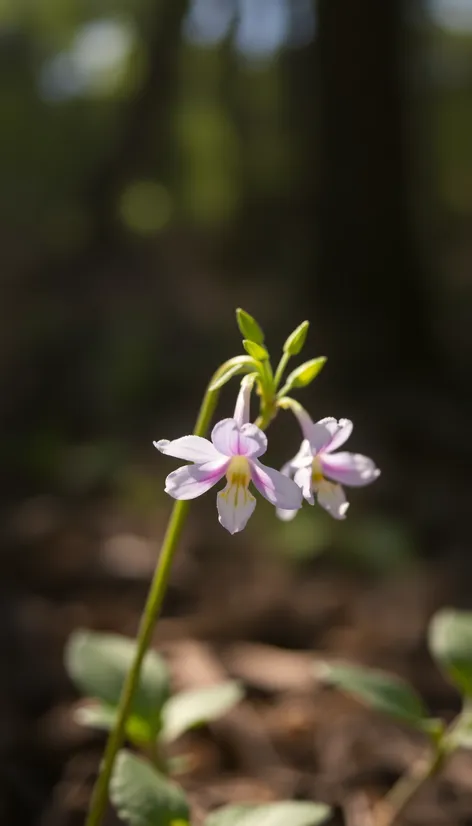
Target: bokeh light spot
(145, 207)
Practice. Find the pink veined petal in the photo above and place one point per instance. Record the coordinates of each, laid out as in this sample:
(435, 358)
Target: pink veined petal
(191, 481)
(225, 437)
(352, 469)
(340, 434)
(303, 480)
(252, 441)
(331, 497)
(278, 489)
(190, 448)
(235, 505)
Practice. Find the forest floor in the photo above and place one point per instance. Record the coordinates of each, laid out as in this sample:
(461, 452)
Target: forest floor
(250, 616)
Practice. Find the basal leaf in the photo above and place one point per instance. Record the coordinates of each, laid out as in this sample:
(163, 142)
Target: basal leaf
(195, 707)
(99, 663)
(144, 797)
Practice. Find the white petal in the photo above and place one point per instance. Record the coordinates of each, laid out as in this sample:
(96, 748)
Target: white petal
(278, 489)
(190, 448)
(235, 505)
(243, 402)
(304, 457)
(225, 437)
(191, 481)
(303, 480)
(287, 469)
(285, 516)
(304, 419)
(340, 433)
(349, 468)
(331, 497)
(252, 441)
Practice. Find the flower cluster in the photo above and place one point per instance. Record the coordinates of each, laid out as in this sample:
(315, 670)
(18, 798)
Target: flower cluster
(236, 445)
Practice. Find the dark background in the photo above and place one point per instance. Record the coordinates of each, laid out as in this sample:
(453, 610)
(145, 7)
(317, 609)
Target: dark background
(162, 163)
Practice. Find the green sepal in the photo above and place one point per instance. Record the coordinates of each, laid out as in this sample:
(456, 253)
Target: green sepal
(257, 351)
(249, 327)
(296, 340)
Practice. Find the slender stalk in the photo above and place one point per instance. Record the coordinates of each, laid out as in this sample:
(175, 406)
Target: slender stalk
(150, 614)
(394, 803)
(265, 417)
(281, 369)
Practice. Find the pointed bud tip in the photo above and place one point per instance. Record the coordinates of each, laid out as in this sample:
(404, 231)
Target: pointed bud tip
(248, 326)
(296, 340)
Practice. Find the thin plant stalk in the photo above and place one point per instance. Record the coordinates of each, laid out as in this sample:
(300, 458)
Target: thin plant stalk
(396, 800)
(151, 612)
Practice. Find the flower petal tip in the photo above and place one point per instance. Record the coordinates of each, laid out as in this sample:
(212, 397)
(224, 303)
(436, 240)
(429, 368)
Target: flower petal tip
(285, 515)
(161, 445)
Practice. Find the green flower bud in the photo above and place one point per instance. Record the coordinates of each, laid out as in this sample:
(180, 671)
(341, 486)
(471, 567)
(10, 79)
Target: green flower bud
(296, 340)
(257, 351)
(303, 376)
(249, 327)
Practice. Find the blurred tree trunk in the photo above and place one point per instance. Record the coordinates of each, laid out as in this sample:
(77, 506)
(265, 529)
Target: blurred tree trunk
(81, 293)
(368, 285)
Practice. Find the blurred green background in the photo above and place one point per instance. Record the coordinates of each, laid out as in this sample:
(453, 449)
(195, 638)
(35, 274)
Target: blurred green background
(165, 161)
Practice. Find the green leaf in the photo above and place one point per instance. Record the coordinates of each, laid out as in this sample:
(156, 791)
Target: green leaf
(98, 665)
(296, 340)
(285, 813)
(257, 351)
(460, 733)
(303, 376)
(450, 641)
(198, 706)
(144, 797)
(98, 715)
(239, 364)
(249, 327)
(378, 690)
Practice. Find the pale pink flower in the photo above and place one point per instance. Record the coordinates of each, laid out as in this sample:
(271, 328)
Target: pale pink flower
(318, 470)
(232, 452)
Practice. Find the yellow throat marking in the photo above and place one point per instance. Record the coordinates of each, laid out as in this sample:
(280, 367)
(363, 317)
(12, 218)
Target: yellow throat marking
(316, 472)
(238, 476)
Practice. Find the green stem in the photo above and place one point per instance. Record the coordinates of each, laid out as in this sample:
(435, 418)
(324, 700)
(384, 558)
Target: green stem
(265, 417)
(281, 369)
(406, 787)
(150, 614)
